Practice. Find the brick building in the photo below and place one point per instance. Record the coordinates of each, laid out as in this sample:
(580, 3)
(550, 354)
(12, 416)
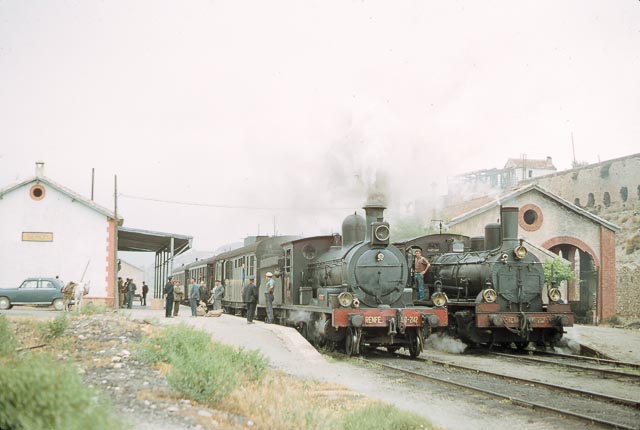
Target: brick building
(553, 223)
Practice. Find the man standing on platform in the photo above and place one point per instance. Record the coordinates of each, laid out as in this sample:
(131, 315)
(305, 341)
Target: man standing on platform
(271, 284)
(251, 299)
(168, 293)
(145, 291)
(194, 297)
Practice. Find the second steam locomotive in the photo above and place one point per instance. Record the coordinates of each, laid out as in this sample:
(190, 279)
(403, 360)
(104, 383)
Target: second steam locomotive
(495, 286)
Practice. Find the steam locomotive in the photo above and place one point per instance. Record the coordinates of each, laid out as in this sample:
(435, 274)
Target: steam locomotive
(346, 291)
(494, 286)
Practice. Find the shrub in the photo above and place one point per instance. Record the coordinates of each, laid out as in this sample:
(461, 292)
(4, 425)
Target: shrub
(55, 328)
(90, 308)
(172, 344)
(555, 270)
(201, 369)
(38, 393)
(8, 343)
(381, 416)
(614, 320)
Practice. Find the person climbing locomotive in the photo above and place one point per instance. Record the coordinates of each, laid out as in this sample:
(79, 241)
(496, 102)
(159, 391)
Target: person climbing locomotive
(269, 296)
(420, 266)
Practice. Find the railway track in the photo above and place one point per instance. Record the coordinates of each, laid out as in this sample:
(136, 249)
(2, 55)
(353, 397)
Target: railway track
(587, 406)
(604, 367)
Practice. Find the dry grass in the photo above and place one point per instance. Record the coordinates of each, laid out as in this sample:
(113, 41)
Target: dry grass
(278, 401)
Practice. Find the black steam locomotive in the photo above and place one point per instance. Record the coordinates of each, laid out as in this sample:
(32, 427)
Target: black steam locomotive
(348, 290)
(494, 286)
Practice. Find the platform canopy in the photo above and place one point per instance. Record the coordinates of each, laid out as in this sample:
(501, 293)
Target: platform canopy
(135, 240)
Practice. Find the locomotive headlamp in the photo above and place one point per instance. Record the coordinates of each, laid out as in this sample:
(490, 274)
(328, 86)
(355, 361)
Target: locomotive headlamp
(439, 298)
(345, 299)
(520, 252)
(554, 294)
(382, 233)
(489, 295)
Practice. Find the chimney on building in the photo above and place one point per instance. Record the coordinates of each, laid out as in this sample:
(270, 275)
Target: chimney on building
(39, 168)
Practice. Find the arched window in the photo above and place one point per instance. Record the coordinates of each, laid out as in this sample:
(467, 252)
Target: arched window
(576, 201)
(591, 201)
(606, 199)
(624, 194)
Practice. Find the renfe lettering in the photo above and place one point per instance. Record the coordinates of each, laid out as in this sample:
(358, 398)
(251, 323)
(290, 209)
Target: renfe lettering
(369, 319)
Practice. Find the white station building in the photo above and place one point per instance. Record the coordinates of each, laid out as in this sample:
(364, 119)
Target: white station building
(49, 230)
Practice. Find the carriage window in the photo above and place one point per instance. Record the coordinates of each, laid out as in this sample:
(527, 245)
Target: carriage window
(252, 263)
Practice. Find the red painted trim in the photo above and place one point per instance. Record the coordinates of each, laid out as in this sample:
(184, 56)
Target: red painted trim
(539, 217)
(568, 240)
(380, 317)
(110, 275)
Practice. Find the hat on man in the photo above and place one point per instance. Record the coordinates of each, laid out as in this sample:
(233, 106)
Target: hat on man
(251, 277)
(269, 274)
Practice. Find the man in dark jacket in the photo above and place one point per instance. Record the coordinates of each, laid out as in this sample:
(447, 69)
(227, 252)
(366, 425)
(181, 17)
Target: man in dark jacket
(168, 293)
(251, 298)
(145, 291)
(131, 291)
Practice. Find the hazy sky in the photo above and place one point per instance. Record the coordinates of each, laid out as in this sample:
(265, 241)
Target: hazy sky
(266, 110)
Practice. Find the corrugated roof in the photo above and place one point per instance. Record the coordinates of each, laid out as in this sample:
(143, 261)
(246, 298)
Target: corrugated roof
(136, 240)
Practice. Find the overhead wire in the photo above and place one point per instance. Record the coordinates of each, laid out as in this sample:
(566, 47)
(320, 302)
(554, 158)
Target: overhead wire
(224, 206)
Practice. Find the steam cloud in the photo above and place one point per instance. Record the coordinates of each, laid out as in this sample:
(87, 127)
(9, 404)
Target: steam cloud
(445, 343)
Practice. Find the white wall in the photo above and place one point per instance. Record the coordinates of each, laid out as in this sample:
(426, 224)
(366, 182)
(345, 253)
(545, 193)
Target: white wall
(79, 237)
(128, 270)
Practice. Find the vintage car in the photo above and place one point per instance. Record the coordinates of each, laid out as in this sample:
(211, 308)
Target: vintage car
(33, 292)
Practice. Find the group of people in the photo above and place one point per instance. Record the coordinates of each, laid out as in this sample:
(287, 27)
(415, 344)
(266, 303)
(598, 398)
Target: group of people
(197, 293)
(127, 291)
(250, 297)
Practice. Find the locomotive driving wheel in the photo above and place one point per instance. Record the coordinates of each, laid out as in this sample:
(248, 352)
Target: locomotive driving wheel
(414, 344)
(351, 342)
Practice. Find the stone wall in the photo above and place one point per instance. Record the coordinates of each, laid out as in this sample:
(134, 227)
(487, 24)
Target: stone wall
(628, 297)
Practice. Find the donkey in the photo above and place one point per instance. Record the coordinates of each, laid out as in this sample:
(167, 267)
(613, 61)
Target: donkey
(75, 292)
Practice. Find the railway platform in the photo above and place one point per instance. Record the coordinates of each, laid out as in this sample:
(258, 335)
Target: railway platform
(615, 343)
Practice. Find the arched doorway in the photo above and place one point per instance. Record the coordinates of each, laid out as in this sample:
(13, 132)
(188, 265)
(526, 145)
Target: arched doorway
(582, 293)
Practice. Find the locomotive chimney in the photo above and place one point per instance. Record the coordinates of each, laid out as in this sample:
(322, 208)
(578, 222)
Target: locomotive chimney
(374, 213)
(509, 221)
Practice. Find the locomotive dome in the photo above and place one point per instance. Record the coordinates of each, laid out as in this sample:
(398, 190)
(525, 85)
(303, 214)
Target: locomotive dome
(353, 229)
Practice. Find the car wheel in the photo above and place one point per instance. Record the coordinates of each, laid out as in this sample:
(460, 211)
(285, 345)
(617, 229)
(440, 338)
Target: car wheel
(5, 303)
(58, 304)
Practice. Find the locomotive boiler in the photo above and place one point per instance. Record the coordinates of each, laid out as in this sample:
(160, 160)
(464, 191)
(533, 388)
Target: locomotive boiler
(496, 294)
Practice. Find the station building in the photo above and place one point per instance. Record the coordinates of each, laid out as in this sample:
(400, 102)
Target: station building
(552, 223)
(49, 230)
